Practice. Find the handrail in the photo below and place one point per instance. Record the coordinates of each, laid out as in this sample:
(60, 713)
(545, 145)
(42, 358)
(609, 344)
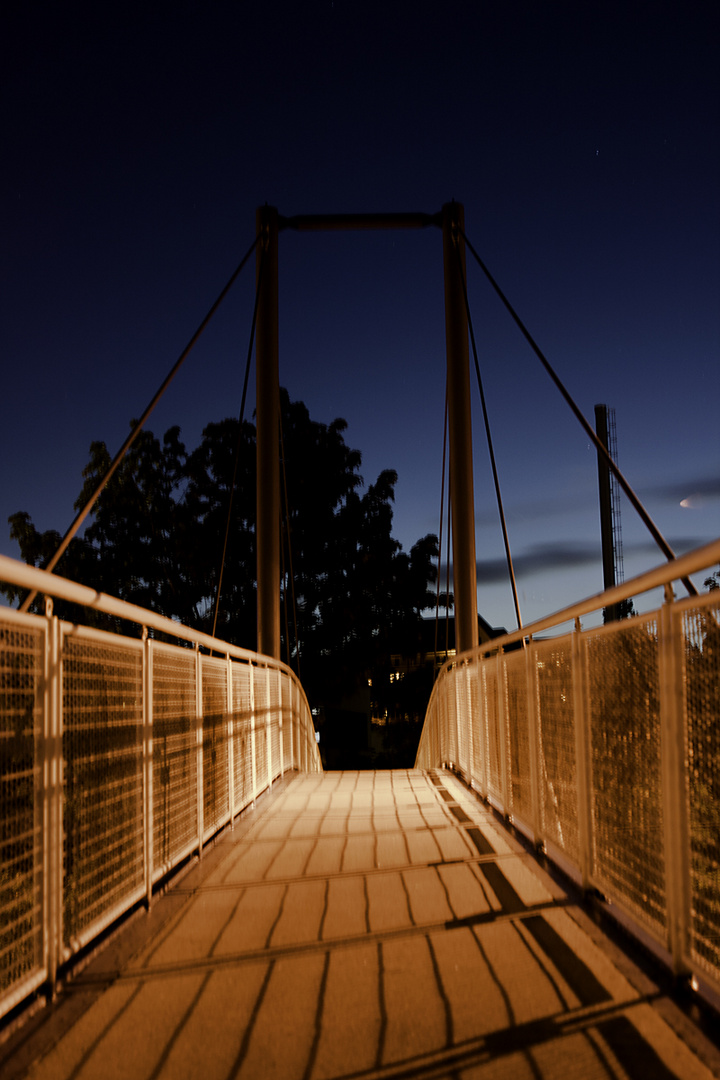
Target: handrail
(690, 563)
(31, 577)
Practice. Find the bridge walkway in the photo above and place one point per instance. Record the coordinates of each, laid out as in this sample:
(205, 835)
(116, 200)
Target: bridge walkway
(364, 925)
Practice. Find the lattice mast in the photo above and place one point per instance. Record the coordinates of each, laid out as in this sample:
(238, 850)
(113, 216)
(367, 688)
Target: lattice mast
(610, 520)
(615, 501)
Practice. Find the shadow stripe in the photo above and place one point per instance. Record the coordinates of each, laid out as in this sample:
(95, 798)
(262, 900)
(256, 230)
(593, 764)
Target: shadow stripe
(581, 980)
(508, 898)
(482, 844)
(635, 1054)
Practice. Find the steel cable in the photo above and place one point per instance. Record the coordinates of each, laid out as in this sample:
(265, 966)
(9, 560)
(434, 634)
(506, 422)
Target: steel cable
(138, 427)
(440, 542)
(239, 437)
(496, 479)
(587, 428)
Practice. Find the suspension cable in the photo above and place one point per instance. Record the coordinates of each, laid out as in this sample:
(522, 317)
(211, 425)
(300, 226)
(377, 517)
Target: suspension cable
(448, 549)
(291, 572)
(283, 573)
(588, 429)
(239, 435)
(138, 427)
(506, 541)
(440, 539)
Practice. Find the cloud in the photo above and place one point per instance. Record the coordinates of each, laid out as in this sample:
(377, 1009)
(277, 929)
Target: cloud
(698, 489)
(536, 509)
(539, 558)
(564, 555)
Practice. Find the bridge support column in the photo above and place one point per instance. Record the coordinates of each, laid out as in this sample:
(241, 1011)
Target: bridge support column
(460, 430)
(268, 441)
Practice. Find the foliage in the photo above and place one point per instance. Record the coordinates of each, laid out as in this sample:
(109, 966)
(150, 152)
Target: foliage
(157, 532)
(713, 581)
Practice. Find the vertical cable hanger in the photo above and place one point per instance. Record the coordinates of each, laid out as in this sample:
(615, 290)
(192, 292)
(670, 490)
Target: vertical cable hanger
(291, 572)
(440, 540)
(239, 438)
(506, 541)
(64, 543)
(587, 428)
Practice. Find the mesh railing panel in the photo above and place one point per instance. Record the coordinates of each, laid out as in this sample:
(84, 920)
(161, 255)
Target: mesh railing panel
(241, 735)
(175, 805)
(21, 860)
(286, 691)
(626, 791)
(478, 772)
(274, 716)
(556, 743)
(103, 779)
(520, 797)
(493, 734)
(261, 716)
(216, 790)
(702, 711)
(441, 727)
(451, 706)
(461, 725)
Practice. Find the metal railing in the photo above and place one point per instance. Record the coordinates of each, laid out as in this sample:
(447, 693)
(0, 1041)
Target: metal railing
(119, 758)
(603, 747)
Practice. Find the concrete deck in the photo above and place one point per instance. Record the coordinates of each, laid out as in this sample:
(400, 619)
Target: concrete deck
(362, 925)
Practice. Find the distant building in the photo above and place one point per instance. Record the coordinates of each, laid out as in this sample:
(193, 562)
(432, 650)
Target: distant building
(432, 657)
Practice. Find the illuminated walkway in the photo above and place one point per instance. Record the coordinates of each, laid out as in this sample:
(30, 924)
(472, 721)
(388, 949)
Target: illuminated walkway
(362, 925)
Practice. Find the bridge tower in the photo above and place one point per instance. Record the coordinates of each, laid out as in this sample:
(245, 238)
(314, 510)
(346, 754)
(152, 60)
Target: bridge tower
(451, 219)
(462, 498)
(267, 381)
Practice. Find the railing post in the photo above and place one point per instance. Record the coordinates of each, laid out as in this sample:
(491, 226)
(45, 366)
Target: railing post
(583, 771)
(230, 729)
(280, 699)
(268, 728)
(456, 687)
(252, 733)
(533, 743)
(148, 761)
(502, 732)
(199, 736)
(484, 733)
(291, 766)
(471, 664)
(676, 825)
(53, 785)
(305, 752)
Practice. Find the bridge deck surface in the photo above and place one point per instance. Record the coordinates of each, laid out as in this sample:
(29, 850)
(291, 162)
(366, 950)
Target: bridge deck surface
(363, 925)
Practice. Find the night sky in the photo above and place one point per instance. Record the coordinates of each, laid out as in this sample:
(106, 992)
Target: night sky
(582, 139)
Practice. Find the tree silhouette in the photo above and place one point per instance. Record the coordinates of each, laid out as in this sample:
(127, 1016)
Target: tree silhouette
(157, 532)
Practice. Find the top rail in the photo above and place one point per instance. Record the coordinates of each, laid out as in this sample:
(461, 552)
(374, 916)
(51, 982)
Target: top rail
(31, 577)
(673, 570)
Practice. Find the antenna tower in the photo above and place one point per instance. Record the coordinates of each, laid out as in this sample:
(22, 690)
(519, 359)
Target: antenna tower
(610, 522)
(615, 501)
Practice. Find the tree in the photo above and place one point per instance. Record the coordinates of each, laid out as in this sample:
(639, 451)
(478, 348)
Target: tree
(157, 533)
(713, 581)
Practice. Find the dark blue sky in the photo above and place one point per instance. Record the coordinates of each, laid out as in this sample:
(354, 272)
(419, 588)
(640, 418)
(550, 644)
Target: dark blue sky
(581, 138)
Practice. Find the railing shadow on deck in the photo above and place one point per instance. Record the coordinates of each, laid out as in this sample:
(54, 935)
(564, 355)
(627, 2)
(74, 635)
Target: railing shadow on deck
(120, 757)
(602, 747)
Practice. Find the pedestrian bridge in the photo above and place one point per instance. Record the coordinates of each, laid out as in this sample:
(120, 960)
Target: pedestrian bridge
(163, 796)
